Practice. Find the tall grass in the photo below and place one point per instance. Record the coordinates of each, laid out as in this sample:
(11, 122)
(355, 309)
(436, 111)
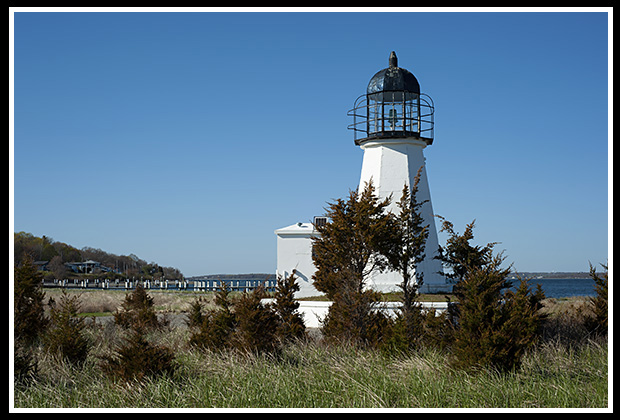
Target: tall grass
(314, 374)
(568, 368)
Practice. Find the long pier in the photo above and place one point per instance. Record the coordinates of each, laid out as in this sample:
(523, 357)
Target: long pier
(197, 285)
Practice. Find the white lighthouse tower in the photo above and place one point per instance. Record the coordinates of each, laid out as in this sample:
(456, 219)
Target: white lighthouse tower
(393, 123)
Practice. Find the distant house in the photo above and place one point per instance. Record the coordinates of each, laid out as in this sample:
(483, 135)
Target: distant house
(41, 265)
(86, 267)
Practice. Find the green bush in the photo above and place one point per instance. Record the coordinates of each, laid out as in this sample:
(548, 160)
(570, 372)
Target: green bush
(65, 337)
(256, 324)
(597, 323)
(247, 324)
(137, 311)
(195, 316)
(353, 317)
(493, 328)
(350, 247)
(137, 359)
(290, 323)
(30, 321)
(214, 329)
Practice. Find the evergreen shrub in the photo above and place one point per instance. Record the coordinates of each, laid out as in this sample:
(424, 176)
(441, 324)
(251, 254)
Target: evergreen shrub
(65, 337)
(138, 359)
(137, 311)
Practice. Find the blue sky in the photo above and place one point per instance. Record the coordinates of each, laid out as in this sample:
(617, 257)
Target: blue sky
(188, 138)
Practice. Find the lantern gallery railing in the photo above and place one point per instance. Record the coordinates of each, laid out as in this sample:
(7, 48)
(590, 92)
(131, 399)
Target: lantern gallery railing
(393, 114)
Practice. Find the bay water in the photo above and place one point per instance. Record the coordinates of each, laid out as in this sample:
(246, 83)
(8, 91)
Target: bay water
(562, 288)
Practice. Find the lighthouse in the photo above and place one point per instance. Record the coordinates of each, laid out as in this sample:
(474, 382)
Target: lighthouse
(393, 122)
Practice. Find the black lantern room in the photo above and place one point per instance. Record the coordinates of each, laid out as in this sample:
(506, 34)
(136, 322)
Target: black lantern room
(393, 107)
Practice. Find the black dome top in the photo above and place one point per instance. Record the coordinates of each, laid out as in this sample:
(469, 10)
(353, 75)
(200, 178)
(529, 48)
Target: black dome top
(393, 78)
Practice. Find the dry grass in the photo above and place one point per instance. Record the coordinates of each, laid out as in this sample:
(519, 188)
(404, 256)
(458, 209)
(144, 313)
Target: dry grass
(108, 301)
(566, 320)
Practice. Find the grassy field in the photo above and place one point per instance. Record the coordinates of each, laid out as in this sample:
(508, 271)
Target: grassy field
(313, 374)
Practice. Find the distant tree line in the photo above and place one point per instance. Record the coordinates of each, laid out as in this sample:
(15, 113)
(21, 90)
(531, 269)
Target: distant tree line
(57, 253)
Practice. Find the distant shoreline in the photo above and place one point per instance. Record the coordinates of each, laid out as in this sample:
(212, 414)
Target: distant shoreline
(553, 275)
(525, 274)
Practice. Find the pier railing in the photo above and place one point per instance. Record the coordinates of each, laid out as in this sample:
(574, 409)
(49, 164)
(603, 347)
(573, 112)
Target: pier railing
(209, 285)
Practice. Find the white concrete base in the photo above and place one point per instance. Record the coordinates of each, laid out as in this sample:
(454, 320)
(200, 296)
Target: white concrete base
(314, 312)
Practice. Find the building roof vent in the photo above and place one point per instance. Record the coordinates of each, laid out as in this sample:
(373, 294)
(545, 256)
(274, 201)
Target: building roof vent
(320, 221)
